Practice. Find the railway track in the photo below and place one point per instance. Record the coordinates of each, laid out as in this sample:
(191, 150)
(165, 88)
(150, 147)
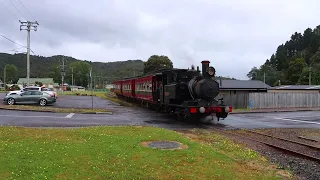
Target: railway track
(298, 148)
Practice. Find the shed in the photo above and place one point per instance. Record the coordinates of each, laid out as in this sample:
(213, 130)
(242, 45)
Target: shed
(48, 82)
(231, 86)
(295, 88)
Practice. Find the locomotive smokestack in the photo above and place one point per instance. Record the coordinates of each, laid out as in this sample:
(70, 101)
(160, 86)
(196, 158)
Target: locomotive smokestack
(205, 65)
(198, 69)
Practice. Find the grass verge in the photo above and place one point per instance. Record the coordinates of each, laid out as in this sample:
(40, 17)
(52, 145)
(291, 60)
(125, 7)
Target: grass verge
(51, 109)
(117, 153)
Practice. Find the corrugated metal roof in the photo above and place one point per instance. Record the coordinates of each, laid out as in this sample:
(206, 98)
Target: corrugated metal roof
(242, 84)
(33, 80)
(297, 87)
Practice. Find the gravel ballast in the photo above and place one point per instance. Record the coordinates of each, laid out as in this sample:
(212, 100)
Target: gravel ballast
(302, 168)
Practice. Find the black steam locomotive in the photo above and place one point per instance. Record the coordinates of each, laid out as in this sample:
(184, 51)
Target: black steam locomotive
(187, 93)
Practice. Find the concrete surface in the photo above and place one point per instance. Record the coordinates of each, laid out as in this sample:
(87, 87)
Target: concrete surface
(67, 101)
(139, 116)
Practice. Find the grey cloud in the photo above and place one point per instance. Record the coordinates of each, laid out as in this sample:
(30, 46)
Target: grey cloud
(233, 35)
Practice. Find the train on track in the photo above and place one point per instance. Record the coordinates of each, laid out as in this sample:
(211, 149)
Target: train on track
(184, 92)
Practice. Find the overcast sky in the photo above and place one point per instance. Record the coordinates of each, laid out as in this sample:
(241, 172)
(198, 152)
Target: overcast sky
(234, 35)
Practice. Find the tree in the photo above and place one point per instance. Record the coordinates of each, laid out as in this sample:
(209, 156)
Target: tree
(295, 70)
(292, 60)
(11, 73)
(80, 72)
(156, 62)
(253, 73)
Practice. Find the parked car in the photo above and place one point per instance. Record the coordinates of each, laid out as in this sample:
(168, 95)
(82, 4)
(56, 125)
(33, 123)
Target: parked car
(32, 88)
(42, 98)
(52, 90)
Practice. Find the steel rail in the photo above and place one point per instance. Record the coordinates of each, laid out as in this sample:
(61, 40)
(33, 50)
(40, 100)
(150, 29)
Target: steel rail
(285, 139)
(272, 145)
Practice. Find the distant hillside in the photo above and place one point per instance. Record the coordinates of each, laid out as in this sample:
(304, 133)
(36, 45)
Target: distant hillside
(44, 67)
(49, 67)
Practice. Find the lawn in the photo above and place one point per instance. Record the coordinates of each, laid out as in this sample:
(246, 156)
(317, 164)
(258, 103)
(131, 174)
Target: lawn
(117, 153)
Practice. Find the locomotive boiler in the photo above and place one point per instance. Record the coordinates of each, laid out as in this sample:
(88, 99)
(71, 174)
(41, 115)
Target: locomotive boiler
(187, 92)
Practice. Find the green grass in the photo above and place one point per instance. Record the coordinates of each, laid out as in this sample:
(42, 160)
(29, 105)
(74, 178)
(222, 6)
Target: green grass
(117, 153)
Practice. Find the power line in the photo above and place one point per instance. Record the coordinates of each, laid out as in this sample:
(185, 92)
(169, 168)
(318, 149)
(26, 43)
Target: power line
(8, 9)
(18, 10)
(12, 41)
(16, 43)
(27, 10)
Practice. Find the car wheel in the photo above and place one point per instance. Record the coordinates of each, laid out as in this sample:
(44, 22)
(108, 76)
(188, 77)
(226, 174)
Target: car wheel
(11, 101)
(43, 102)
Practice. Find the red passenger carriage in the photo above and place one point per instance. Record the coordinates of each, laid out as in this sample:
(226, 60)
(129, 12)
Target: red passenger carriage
(144, 88)
(128, 88)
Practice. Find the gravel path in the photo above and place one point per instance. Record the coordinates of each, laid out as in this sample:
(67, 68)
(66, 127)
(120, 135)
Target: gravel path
(292, 146)
(303, 168)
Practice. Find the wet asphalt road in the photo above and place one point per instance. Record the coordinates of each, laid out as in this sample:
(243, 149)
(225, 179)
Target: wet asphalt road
(66, 101)
(140, 116)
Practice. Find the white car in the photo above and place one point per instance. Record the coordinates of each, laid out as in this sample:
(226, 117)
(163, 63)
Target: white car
(34, 88)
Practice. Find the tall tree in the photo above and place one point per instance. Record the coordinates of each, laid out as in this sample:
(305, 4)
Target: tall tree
(295, 70)
(281, 58)
(156, 62)
(11, 73)
(292, 60)
(81, 73)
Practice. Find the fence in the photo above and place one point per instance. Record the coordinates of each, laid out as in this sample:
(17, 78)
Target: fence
(238, 101)
(272, 100)
(284, 100)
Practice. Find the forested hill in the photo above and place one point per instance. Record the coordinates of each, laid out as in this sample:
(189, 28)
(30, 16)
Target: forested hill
(49, 67)
(292, 61)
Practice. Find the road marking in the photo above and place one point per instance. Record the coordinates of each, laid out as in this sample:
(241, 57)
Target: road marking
(310, 122)
(70, 115)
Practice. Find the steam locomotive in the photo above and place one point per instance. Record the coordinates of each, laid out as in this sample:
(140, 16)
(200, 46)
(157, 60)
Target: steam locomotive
(184, 92)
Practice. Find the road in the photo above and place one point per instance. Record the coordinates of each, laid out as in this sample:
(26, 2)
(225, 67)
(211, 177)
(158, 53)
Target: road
(138, 116)
(67, 101)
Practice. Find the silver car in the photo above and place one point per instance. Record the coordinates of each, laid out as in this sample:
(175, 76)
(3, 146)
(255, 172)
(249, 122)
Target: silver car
(30, 97)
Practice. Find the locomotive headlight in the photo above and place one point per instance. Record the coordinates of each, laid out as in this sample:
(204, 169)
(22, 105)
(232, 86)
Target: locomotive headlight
(211, 71)
(202, 109)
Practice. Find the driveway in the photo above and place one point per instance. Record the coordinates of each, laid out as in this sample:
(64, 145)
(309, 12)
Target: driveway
(68, 101)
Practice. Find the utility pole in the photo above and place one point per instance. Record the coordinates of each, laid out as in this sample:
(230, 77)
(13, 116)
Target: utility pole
(4, 76)
(91, 87)
(63, 73)
(264, 79)
(72, 75)
(29, 26)
(310, 74)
